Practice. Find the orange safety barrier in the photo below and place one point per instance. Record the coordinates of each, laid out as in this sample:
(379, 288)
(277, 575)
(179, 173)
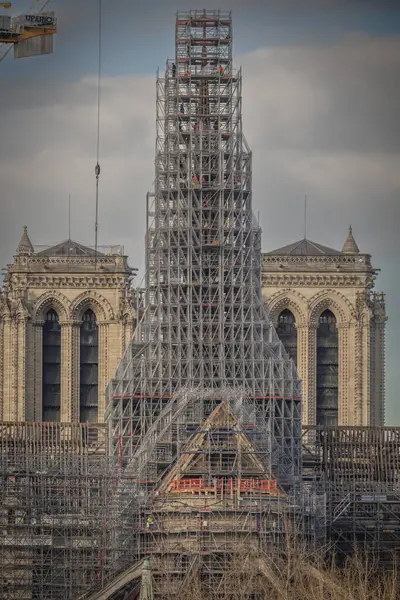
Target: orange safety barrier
(186, 485)
(194, 484)
(250, 485)
(243, 485)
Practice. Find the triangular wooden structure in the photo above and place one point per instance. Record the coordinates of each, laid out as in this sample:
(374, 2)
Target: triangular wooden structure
(220, 434)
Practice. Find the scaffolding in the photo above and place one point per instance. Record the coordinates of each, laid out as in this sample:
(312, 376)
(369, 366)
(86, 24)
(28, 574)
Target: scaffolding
(201, 490)
(54, 482)
(204, 324)
(202, 456)
(71, 516)
(360, 470)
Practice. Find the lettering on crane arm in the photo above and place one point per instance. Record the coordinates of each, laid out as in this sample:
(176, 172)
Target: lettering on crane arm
(38, 20)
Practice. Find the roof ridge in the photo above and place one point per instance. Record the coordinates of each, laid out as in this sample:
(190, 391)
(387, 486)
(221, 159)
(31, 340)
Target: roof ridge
(304, 247)
(69, 247)
(299, 243)
(316, 245)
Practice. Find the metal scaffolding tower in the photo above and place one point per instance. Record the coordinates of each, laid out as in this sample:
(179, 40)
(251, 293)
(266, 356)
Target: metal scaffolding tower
(362, 466)
(198, 495)
(54, 481)
(204, 324)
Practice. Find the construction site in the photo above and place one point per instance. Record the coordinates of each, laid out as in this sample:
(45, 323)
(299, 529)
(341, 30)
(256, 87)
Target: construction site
(202, 469)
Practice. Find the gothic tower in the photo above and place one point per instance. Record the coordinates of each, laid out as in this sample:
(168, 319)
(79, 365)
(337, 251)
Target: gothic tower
(332, 324)
(66, 316)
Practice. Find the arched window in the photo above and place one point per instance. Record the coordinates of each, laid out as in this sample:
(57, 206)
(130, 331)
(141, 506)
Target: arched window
(327, 370)
(89, 371)
(51, 379)
(287, 333)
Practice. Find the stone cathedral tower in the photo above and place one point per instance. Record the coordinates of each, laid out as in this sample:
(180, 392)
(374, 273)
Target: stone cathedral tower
(333, 325)
(66, 315)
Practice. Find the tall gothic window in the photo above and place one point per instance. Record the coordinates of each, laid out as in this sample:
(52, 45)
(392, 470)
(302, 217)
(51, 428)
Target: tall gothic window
(287, 333)
(51, 379)
(89, 370)
(327, 370)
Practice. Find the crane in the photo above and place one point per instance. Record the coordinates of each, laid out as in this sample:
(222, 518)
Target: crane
(18, 32)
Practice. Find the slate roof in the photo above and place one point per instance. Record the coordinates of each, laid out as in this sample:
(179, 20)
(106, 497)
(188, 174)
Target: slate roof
(305, 248)
(69, 248)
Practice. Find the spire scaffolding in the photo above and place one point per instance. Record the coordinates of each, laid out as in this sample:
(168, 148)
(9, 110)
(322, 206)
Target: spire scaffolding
(204, 323)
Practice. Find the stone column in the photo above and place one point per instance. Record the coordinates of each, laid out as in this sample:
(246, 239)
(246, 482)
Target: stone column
(312, 374)
(350, 391)
(378, 372)
(366, 373)
(380, 398)
(103, 359)
(124, 334)
(8, 414)
(29, 375)
(358, 379)
(37, 335)
(302, 369)
(70, 370)
(20, 369)
(343, 373)
(1, 369)
(12, 352)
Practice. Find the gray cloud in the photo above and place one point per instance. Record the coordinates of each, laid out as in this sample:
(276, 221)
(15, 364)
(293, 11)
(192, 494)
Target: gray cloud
(127, 20)
(334, 98)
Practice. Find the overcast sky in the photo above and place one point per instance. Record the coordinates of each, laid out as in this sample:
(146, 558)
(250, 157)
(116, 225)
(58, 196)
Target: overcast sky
(321, 114)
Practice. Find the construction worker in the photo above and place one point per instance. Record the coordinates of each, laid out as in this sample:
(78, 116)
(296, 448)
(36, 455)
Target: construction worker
(149, 522)
(221, 70)
(173, 70)
(181, 108)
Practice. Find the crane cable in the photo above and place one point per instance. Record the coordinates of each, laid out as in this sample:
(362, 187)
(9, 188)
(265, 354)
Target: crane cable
(97, 167)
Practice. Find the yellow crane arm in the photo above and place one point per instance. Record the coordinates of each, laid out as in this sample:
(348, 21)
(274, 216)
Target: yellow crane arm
(19, 33)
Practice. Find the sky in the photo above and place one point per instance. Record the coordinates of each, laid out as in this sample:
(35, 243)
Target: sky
(321, 97)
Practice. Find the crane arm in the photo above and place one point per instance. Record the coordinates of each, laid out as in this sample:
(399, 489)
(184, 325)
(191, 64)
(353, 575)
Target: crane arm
(34, 27)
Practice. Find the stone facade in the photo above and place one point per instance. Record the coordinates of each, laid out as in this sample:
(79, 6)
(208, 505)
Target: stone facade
(305, 283)
(67, 283)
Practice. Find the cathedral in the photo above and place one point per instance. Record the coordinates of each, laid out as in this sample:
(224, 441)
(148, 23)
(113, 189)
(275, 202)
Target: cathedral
(332, 324)
(68, 313)
(66, 316)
